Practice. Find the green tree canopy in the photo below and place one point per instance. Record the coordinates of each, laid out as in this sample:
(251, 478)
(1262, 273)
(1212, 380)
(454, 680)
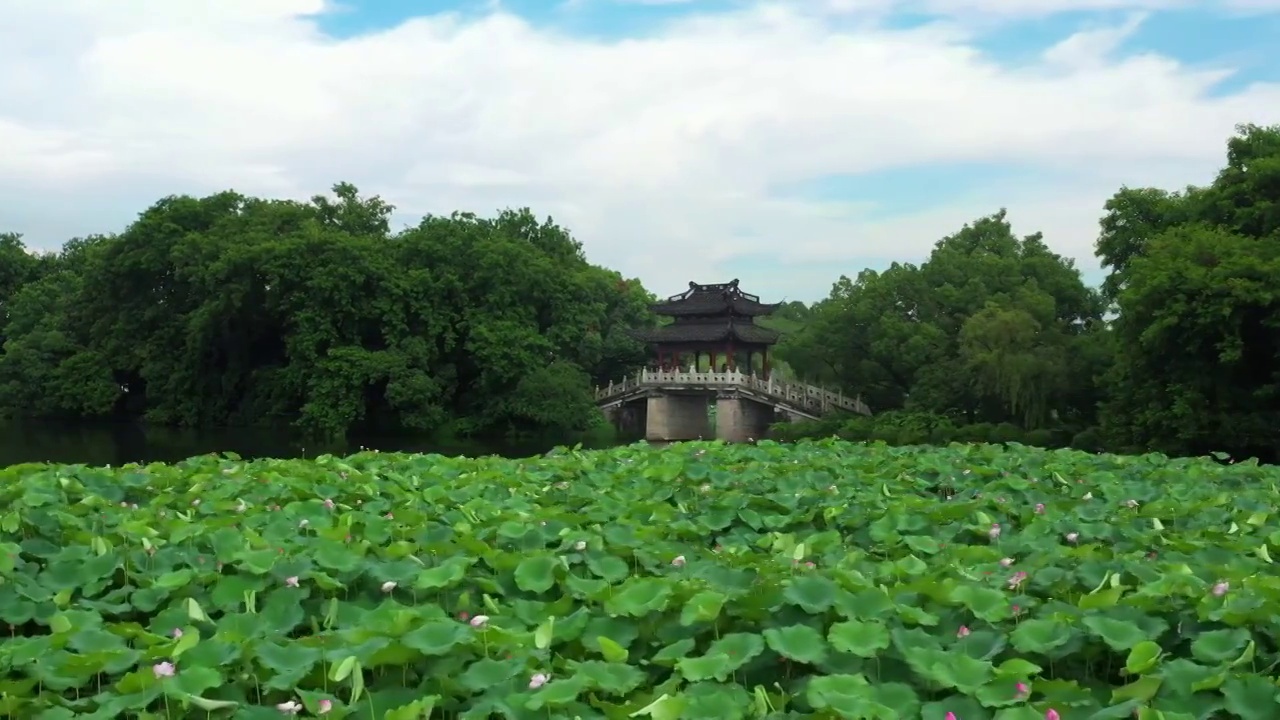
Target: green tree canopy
(236, 310)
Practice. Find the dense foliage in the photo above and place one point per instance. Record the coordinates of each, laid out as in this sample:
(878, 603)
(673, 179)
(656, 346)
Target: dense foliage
(817, 580)
(228, 310)
(1179, 351)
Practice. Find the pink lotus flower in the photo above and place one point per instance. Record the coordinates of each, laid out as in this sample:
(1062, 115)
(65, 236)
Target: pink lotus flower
(1221, 588)
(994, 532)
(538, 680)
(163, 670)
(678, 561)
(479, 621)
(1052, 714)
(177, 633)
(328, 504)
(963, 631)
(1016, 580)
(325, 706)
(291, 581)
(1022, 689)
(950, 716)
(1039, 508)
(1006, 562)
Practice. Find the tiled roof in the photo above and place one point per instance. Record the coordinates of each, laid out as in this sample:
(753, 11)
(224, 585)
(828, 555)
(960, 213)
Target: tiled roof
(705, 332)
(719, 299)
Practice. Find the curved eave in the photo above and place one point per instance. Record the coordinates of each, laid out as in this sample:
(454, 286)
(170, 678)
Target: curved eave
(741, 307)
(679, 334)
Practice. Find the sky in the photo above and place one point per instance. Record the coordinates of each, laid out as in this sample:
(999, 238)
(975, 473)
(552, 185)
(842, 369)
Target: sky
(782, 143)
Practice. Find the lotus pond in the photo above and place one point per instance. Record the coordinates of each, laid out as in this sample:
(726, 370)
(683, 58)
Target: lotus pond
(700, 581)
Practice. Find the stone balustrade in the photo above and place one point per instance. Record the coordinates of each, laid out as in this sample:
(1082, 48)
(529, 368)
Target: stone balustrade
(812, 399)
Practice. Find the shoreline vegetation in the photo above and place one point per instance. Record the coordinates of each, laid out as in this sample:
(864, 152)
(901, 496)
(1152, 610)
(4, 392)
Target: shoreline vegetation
(235, 311)
(818, 579)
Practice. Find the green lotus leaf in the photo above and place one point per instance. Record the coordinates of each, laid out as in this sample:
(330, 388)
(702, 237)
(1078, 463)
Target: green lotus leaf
(1040, 636)
(175, 579)
(585, 588)
(864, 639)
(487, 672)
(438, 637)
(1017, 668)
(283, 610)
(922, 544)
(1117, 634)
(710, 666)
(289, 662)
(1218, 646)
(1251, 697)
(447, 574)
(537, 573)
(1027, 712)
(613, 678)
(715, 699)
(703, 607)
(638, 597)
(964, 707)
(801, 643)
(420, 708)
(195, 680)
(812, 593)
(557, 693)
(1142, 657)
(608, 567)
(92, 592)
(984, 603)
(848, 696)
(959, 671)
(675, 651)
(612, 651)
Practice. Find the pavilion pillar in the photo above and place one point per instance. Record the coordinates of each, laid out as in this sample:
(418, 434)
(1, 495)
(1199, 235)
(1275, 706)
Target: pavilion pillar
(766, 362)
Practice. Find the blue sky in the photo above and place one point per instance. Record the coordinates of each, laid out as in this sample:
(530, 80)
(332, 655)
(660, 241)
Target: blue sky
(783, 143)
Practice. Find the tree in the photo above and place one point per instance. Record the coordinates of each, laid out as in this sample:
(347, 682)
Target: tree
(982, 330)
(236, 310)
(1198, 334)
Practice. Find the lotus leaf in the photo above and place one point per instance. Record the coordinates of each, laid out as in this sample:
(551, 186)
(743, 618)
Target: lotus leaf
(700, 581)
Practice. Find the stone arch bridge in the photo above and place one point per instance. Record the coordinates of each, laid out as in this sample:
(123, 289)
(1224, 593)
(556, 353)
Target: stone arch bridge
(671, 405)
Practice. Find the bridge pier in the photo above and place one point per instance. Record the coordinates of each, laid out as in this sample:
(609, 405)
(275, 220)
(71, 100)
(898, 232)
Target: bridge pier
(628, 419)
(741, 420)
(676, 417)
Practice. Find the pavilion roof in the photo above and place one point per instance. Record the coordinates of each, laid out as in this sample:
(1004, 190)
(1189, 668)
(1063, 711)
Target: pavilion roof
(719, 330)
(718, 299)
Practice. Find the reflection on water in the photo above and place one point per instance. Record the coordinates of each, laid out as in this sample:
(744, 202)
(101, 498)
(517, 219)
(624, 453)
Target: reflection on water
(23, 441)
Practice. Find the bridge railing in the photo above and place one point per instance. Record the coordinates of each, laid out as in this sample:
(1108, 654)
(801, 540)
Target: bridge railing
(799, 395)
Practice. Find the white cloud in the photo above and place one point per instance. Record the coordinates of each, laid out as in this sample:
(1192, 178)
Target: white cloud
(656, 152)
